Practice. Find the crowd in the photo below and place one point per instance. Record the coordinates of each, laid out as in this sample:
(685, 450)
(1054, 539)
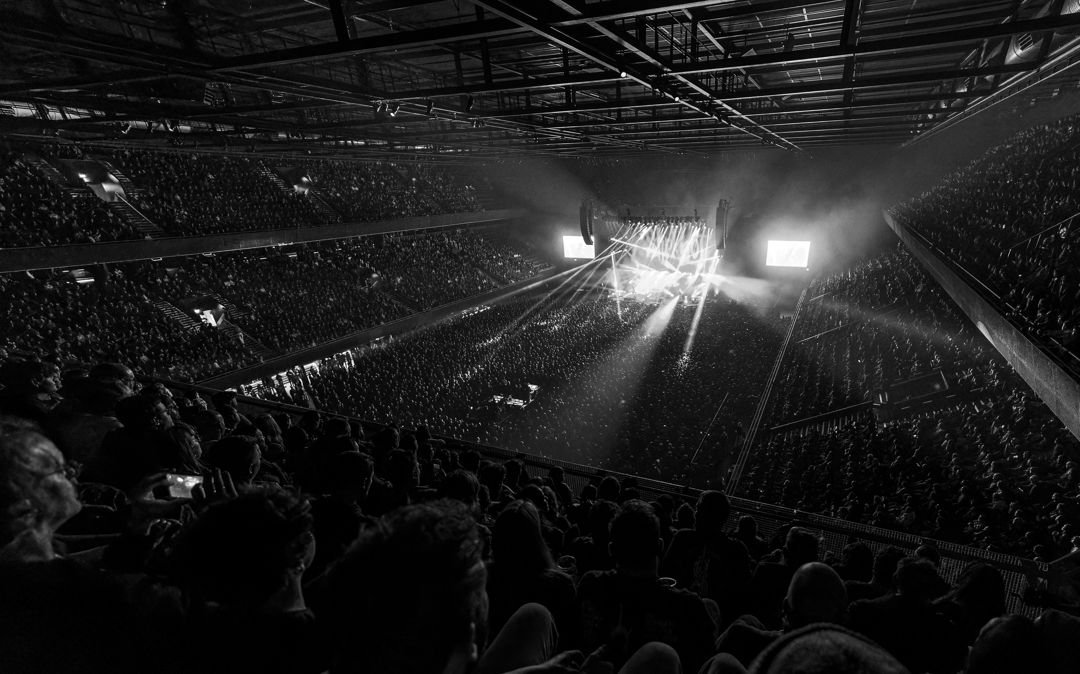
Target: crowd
(52, 315)
(292, 298)
(878, 323)
(507, 258)
(36, 212)
(194, 194)
(405, 264)
(283, 298)
(385, 190)
(146, 529)
(620, 384)
(995, 470)
(989, 216)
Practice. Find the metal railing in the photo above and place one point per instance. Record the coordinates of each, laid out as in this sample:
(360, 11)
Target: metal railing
(834, 534)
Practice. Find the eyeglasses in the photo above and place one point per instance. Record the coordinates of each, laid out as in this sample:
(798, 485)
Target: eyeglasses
(68, 470)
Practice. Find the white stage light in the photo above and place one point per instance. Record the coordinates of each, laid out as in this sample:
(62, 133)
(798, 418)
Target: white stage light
(576, 249)
(788, 254)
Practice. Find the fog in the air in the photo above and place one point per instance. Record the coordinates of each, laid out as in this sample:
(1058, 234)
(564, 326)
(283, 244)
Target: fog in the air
(833, 197)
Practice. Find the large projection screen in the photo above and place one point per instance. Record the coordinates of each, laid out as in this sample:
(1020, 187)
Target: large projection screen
(788, 254)
(576, 249)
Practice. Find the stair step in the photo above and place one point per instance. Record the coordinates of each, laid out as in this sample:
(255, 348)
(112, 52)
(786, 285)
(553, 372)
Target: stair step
(314, 201)
(245, 338)
(133, 217)
(174, 312)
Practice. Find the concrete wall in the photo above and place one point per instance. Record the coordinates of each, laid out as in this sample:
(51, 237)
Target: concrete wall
(1050, 381)
(82, 255)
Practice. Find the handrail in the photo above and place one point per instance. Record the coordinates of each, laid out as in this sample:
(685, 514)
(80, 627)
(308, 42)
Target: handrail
(654, 487)
(763, 403)
(1044, 231)
(1024, 325)
(824, 416)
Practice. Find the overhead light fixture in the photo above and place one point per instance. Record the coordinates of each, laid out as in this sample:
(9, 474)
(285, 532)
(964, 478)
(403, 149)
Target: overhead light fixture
(677, 99)
(622, 74)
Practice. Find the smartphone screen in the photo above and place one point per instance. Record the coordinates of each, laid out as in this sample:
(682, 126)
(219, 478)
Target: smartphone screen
(180, 486)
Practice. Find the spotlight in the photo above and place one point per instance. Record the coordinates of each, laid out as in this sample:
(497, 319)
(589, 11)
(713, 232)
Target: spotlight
(677, 99)
(469, 104)
(622, 74)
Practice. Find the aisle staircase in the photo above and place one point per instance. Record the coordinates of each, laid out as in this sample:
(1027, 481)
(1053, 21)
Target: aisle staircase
(399, 299)
(189, 323)
(255, 346)
(317, 203)
(134, 217)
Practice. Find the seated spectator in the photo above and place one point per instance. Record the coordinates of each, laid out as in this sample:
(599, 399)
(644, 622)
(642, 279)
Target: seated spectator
(771, 579)
(237, 455)
(1005, 645)
(629, 607)
(881, 581)
(815, 595)
(522, 571)
(244, 560)
(826, 649)
(907, 624)
(707, 561)
(410, 597)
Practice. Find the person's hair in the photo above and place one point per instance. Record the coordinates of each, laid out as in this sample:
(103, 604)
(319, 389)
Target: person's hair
(609, 489)
(266, 423)
(236, 454)
(462, 486)
(137, 412)
(517, 541)
(492, 475)
(885, 562)
(800, 546)
(408, 592)
(635, 534)
(22, 502)
(916, 578)
(223, 400)
(209, 424)
(239, 551)
(348, 471)
(712, 511)
(179, 450)
(857, 561)
(980, 589)
(1006, 645)
(336, 427)
(816, 594)
(401, 469)
(747, 526)
(470, 460)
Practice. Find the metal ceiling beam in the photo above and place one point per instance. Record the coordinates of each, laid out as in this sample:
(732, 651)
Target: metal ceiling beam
(904, 43)
(628, 9)
(396, 42)
(812, 108)
(839, 86)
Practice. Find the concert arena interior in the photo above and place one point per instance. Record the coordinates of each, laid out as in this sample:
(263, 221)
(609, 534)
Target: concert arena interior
(539, 336)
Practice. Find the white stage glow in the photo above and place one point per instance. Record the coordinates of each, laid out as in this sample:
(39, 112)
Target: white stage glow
(576, 249)
(666, 258)
(788, 254)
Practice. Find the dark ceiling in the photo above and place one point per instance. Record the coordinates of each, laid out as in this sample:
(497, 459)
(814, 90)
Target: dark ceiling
(499, 78)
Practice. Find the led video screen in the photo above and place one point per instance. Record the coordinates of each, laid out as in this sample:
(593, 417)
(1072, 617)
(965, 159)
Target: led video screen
(576, 249)
(788, 254)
